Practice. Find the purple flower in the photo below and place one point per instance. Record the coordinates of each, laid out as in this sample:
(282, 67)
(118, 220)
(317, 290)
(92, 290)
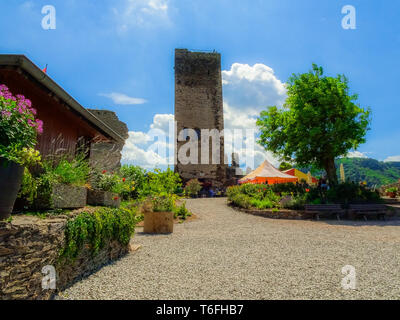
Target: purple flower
(39, 124)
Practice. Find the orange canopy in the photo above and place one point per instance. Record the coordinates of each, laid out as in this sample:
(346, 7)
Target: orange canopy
(266, 173)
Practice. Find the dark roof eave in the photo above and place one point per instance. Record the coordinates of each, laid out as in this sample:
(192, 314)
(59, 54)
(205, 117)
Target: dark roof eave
(27, 65)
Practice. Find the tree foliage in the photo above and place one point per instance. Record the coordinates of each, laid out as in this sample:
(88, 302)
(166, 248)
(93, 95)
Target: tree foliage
(319, 121)
(285, 166)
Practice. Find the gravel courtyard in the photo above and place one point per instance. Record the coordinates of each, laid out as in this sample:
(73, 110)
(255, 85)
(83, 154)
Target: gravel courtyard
(225, 254)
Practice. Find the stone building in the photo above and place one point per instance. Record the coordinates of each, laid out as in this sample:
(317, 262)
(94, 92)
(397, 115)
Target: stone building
(199, 106)
(107, 155)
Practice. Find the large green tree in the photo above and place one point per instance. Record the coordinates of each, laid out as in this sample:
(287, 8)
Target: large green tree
(319, 122)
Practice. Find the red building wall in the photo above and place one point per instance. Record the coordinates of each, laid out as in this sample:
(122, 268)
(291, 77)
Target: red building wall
(62, 126)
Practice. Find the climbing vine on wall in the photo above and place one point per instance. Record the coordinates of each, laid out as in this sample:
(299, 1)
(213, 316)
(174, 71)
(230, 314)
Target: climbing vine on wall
(96, 229)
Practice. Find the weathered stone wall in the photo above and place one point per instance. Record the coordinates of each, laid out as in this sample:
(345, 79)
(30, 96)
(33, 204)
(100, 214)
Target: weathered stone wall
(103, 155)
(199, 105)
(280, 214)
(27, 244)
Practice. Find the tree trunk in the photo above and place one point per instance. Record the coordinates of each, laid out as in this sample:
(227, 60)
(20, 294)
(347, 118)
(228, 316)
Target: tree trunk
(330, 169)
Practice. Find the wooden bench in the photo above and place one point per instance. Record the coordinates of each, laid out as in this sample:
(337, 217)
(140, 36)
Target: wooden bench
(365, 210)
(327, 210)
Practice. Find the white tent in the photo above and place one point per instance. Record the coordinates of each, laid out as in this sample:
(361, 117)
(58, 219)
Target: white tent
(267, 173)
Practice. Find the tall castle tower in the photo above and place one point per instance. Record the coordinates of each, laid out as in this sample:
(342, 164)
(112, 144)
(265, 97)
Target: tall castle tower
(199, 105)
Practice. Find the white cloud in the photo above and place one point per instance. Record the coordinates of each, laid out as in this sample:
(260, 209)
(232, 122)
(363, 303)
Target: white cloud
(252, 86)
(137, 138)
(154, 148)
(392, 159)
(156, 5)
(143, 13)
(239, 119)
(247, 91)
(123, 99)
(27, 5)
(162, 122)
(357, 154)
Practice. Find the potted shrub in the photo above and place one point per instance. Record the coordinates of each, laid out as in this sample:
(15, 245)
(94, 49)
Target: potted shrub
(392, 192)
(62, 185)
(193, 188)
(159, 214)
(18, 136)
(106, 189)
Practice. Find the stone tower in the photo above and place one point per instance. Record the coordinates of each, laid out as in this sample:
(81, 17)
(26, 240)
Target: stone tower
(198, 106)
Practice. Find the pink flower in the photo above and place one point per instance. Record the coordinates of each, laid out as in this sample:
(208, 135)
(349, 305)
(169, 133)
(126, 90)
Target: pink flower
(39, 124)
(31, 123)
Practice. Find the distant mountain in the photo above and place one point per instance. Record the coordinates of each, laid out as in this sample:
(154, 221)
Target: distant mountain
(372, 171)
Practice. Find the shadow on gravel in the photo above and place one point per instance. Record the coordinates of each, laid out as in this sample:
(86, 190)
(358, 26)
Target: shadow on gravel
(390, 222)
(151, 235)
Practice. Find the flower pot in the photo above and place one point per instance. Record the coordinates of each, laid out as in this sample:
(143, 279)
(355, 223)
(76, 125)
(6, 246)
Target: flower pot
(158, 222)
(10, 182)
(62, 196)
(103, 198)
(68, 197)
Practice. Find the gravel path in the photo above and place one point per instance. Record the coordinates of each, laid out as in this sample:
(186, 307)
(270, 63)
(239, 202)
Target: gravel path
(225, 254)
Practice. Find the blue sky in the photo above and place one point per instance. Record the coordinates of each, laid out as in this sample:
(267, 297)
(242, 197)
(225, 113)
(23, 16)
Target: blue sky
(124, 49)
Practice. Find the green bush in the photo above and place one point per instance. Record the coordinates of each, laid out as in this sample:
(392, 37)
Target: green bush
(288, 188)
(241, 200)
(182, 212)
(73, 172)
(164, 182)
(97, 229)
(137, 181)
(163, 203)
(37, 188)
(262, 204)
(109, 182)
(253, 195)
(139, 184)
(343, 193)
(193, 187)
(297, 202)
(264, 197)
(29, 187)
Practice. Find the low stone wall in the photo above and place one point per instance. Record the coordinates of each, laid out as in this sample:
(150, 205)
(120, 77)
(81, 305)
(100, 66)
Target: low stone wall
(281, 214)
(27, 244)
(391, 213)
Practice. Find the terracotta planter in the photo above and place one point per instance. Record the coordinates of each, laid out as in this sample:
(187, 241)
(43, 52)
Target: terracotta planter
(103, 198)
(158, 222)
(10, 182)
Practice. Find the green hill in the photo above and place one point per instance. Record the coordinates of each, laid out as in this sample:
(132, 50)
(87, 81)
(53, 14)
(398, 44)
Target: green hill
(372, 171)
